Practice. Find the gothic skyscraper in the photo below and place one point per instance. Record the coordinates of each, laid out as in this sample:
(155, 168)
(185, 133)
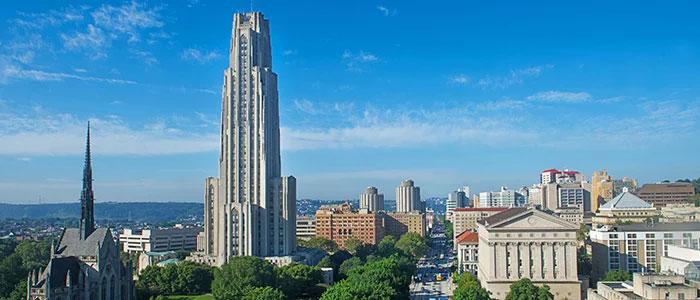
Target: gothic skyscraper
(249, 209)
(87, 197)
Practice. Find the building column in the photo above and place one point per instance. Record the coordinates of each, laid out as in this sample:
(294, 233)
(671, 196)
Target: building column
(525, 257)
(514, 260)
(547, 249)
(502, 263)
(537, 260)
(572, 257)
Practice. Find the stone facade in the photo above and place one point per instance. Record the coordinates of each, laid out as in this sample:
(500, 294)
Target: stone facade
(528, 243)
(396, 224)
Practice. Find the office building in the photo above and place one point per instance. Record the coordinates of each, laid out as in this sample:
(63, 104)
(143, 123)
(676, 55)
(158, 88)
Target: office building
(602, 189)
(306, 227)
(464, 219)
(557, 176)
(645, 287)
(85, 263)
(455, 199)
(566, 195)
(502, 198)
(250, 208)
(339, 223)
(528, 243)
(468, 252)
(372, 200)
(177, 238)
(638, 247)
(678, 213)
(624, 208)
(397, 223)
(408, 197)
(661, 194)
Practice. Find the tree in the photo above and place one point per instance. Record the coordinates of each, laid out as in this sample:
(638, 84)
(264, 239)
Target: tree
(239, 274)
(617, 275)
(387, 246)
(524, 289)
(584, 261)
(321, 243)
(469, 288)
(349, 265)
(297, 280)
(359, 289)
(582, 232)
(352, 245)
(412, 244)
(263, 293)
(449, 230)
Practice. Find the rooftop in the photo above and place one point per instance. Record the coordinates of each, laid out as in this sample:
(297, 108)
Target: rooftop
(504, 215)
(480, 209)
(468, 237)
(626, 200)
(687, 226)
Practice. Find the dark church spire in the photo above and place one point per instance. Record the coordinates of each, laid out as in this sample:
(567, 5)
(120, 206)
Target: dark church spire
(87, 198)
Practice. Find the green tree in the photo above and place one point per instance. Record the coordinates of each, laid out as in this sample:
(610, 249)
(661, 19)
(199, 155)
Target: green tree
(349, 265)
(469, 288)
(321, 243)
(584, 261)
(299, 281)
(357, 289)
(263, 293)
(413, 244)
(352, 245)
(617, 275)
(20, 291)
(582, 232)
(387, 246)
(449, 230)
(524, 289)
(239, 274)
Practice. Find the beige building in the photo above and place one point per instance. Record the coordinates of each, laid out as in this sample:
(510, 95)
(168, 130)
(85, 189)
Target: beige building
(661, 194)
(306, 227)
(645, 287)
(638, 247)
(602, 189)
(681, 261)
(396, 223)
(339, 223)
(573, 215)
(372, 200)
(468, 252)
(408, 197)
(464, 219)
(624, 208)
(174, 238)
(528, 243)
(675, 213)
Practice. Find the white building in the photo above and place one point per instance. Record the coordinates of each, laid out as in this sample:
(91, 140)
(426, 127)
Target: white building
(408, 197)
(160, 239)
(250, 207)
(372, 200)
(468, 252)
(502, 198)
(456, 199)
(306, 227)
(682, 261)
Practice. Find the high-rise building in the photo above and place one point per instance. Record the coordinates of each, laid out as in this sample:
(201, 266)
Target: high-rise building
(602, 189)
(555, 176)
(661, 194)
(371, 199)
(455, 199)
(502, 198)
(85, 263)
(408, 197)
(249, 209)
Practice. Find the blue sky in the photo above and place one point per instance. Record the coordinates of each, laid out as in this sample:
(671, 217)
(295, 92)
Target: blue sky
(371, 92)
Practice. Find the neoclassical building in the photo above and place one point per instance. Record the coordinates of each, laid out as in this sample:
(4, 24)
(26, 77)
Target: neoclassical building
(85, 264)
(525, 242)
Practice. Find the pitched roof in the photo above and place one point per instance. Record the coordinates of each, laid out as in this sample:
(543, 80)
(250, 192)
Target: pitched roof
(72, 245)
(58, 268)
(480, 209)
(506, 214)
(468, 237)
(626, 200)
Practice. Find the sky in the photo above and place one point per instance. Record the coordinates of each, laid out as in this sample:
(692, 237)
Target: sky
(447, 93)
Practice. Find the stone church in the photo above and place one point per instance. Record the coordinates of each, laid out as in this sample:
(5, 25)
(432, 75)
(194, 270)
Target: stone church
(85, 263)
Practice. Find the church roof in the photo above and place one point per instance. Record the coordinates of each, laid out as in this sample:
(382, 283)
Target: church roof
(626, 200)
(58, 268)
(72, 245)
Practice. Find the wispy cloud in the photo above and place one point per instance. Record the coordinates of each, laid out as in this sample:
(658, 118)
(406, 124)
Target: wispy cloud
(515, 77)
(305, 106)
(460, 79)
(560, 96)
(356, 61)
(386, 11)
(93, 39)
(127, 19)
(193, 54)
(144, 56)
(13, 72)
(289, 52)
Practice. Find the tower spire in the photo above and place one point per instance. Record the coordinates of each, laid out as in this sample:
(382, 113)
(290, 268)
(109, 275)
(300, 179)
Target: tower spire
(87, 198)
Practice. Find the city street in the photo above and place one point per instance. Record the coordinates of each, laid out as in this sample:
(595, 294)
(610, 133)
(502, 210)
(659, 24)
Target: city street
(433, 279)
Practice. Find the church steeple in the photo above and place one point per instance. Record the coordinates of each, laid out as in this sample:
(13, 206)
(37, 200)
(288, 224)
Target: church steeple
(87, 198)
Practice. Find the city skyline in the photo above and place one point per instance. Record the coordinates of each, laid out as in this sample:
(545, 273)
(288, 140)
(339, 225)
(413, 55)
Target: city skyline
(489, 96)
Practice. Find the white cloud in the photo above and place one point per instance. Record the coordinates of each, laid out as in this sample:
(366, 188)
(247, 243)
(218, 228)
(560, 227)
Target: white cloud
(37, 134)
(144, 56)
(386, 11)
(13, 72)
(128, 19)
(94, 40)
(305, 106)
(289, 52)
(515, 77)
(460, 79)
(559, 96)
(196, 55)
(356, 61)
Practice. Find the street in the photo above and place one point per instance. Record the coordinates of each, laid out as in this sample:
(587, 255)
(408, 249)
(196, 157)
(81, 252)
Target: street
(433, 278)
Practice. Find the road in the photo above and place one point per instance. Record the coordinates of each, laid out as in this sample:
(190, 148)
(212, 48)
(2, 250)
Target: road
(438, 261)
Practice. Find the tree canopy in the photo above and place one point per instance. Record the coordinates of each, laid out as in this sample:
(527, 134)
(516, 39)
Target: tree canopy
(469, 288)
(524, 289)
(413, 244)
(240, 273)
(617, 275)
(320, 243)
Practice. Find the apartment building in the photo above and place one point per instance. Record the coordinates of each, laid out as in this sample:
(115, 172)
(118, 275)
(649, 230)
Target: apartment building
(340, 223)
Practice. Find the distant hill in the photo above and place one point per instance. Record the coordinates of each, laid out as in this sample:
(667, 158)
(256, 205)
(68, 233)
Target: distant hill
(151, 212)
